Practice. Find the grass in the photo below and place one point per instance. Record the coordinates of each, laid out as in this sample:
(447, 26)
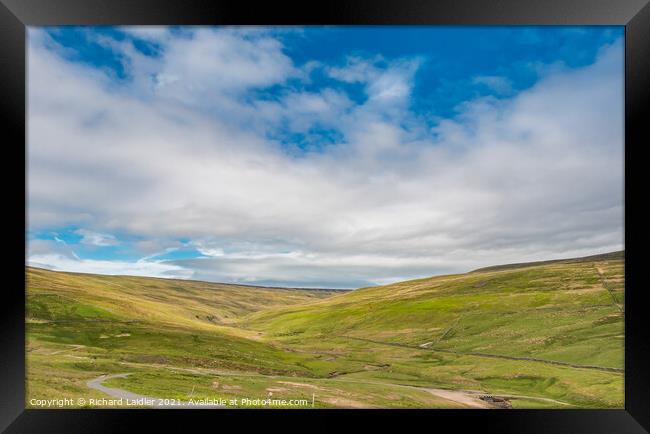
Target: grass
(373, 347)
(331, 393)
(558, 311)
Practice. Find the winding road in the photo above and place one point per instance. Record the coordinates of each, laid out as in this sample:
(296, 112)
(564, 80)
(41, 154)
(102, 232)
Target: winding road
(492, 356)
(467, 398)
(96, 384)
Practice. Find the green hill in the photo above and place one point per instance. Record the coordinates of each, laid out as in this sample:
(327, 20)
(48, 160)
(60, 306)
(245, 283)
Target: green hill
(537, 335)
(559, 311)
(170, 301)
(593, 258)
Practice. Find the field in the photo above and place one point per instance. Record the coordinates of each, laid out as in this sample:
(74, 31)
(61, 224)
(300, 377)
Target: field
(542, 335)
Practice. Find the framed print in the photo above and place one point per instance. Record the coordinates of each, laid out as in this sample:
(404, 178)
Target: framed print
(384, 210)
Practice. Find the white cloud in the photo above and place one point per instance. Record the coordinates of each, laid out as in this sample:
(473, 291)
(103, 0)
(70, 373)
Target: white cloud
(212, 252)
(148, 33)
(536, 176)
(200, 69)
(96, 238)
(59, 262)
(501, 85)
(392, 82)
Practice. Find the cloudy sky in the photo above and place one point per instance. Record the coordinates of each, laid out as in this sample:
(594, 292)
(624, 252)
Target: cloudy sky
(322, 156)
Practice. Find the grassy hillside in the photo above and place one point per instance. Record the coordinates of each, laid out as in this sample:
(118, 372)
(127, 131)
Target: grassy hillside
(612, 256)
(562, 311)
(170, 301)
(83, 325)
(538, 335)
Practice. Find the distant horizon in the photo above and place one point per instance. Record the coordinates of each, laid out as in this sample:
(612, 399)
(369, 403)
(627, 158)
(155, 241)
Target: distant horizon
(321, 157)
(328, 289)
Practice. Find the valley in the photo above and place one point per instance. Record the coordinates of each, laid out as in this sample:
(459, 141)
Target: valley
(539, 335)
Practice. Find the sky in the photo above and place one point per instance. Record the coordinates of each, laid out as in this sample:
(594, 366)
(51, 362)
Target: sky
(328, 157)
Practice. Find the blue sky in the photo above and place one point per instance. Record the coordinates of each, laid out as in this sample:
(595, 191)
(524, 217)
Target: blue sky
(452, 57)
(321, 156)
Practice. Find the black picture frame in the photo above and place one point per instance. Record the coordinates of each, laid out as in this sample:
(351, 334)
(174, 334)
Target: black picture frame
(16, 15)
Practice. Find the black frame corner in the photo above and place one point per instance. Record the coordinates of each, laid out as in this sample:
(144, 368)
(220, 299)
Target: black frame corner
(17, 15)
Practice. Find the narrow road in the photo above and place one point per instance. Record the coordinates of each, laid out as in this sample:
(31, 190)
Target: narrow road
(72, 348)
(465, 397)
(461, 397)
(469, 399)
(125, 394)
(493, 356)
